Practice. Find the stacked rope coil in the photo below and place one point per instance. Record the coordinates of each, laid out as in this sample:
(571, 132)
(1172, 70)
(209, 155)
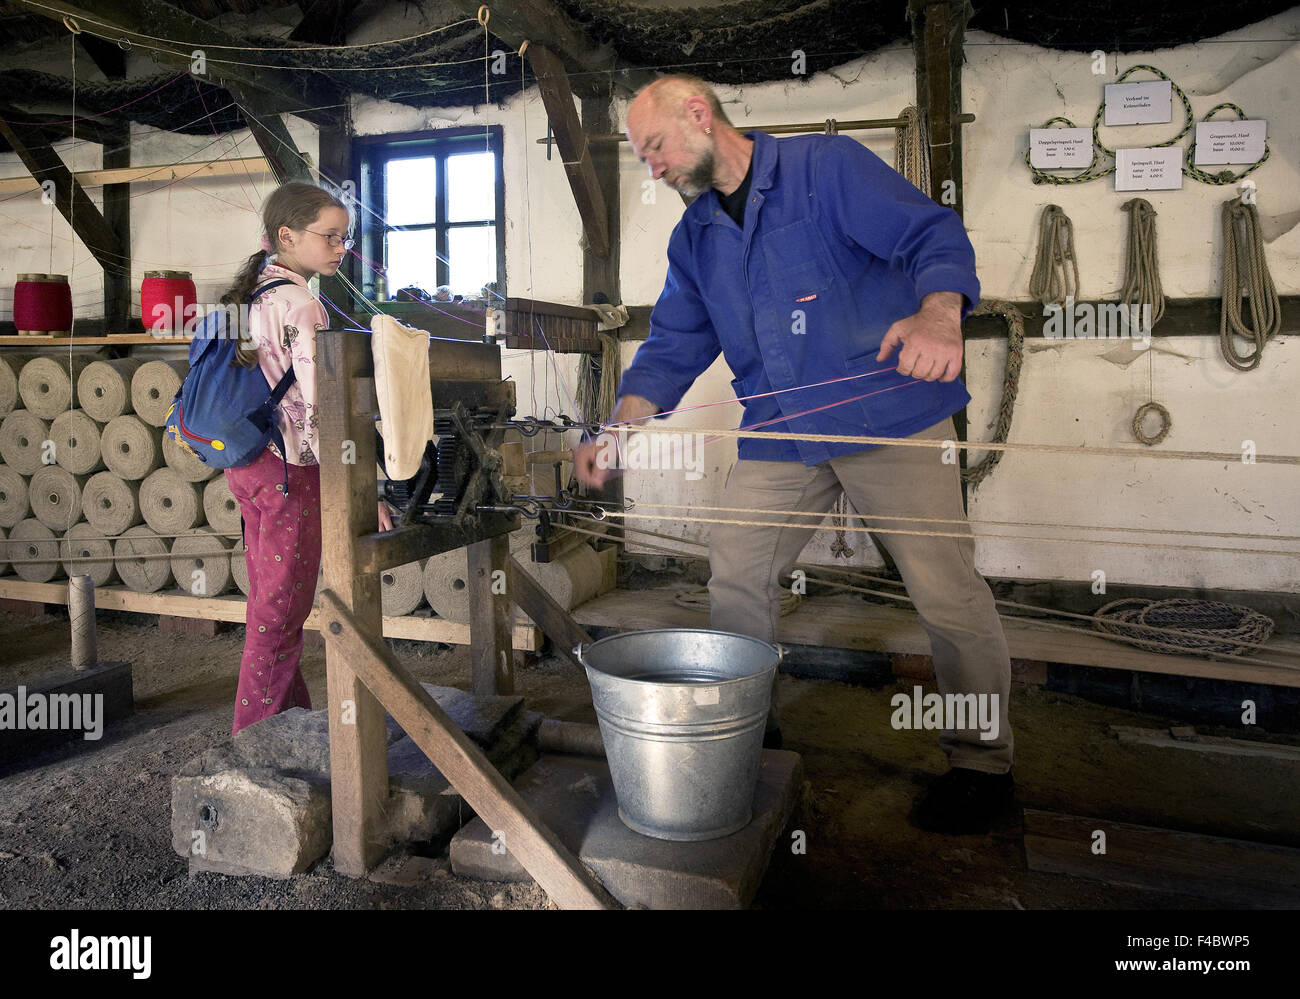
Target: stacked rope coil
(1204, 627)
(1056, 269)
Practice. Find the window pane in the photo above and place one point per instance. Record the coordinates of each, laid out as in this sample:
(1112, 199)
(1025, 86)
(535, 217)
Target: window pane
(411, 187)
(473, 253)
(471, 187)
(412, 259)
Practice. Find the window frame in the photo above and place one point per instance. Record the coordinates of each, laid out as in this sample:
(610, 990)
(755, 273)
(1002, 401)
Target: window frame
(374, 151)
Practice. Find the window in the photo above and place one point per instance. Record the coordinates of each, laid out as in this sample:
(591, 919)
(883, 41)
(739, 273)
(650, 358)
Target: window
(441, 201)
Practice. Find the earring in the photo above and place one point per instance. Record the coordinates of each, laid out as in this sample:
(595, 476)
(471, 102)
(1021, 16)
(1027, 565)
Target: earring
(708, 131)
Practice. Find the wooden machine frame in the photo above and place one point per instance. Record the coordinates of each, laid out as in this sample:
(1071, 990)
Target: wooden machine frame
(365, 679)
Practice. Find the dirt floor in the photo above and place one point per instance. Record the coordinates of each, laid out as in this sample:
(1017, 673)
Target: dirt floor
(89, 826)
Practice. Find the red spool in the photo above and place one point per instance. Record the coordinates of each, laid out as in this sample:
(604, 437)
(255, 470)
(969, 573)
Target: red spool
(42, 303)
(168, 302)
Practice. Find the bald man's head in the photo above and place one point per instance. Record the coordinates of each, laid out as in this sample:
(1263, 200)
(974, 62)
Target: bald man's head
(669, 95)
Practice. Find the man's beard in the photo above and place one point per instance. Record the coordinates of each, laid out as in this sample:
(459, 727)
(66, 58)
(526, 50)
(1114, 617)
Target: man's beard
(700, 177)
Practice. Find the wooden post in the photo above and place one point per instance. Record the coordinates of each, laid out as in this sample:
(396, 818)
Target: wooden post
(491, 653)
(349, 509)
(533, 844)
(938, 28)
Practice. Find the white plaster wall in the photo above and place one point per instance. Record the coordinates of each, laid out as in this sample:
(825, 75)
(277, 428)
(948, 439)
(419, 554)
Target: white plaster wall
(1070, 393)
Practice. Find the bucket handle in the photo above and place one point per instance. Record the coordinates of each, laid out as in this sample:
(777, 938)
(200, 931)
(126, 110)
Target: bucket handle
(577, 654)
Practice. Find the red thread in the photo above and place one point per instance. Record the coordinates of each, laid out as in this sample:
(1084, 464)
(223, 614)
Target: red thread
(167, 301)
(44, 304)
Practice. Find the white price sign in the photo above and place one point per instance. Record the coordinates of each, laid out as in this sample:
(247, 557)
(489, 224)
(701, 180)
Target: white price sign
(1159, 169)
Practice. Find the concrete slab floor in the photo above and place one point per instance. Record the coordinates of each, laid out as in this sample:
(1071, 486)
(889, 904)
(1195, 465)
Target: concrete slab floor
(90, 827)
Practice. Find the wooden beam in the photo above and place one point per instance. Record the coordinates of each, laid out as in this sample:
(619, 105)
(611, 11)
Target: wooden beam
(1236, 873)
(34, 149)
(349, 509)
(574, 150)
(117, 214)
(600, 272)
(491, 796)
(539, 22)
(108, 56)
(271, 135)
(158, 174)
(141, 21)
(491, 657)
(938, 29)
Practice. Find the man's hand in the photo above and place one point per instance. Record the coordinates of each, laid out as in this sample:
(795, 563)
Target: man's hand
(595, 460)
(931, 339)
(385, 516)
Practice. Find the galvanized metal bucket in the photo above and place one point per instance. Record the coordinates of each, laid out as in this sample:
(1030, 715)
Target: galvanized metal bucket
(682, 713)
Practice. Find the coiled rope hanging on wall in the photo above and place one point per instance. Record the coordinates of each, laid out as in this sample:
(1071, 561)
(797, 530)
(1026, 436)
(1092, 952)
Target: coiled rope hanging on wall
(1141, 268)
(1244, 249)
(1056, 269)
(912, 149)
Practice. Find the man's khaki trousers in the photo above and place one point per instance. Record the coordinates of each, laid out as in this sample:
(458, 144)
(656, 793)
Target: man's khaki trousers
(952, 599)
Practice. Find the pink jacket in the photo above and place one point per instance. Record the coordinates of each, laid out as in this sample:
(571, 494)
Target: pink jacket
(283, 323)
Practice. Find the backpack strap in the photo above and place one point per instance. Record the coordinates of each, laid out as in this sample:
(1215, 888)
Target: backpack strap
(281, 387)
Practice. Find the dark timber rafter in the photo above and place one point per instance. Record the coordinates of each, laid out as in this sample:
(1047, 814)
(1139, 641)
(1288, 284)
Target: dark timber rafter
(140, 21)
(574, 148)
(539, 22)
(34, 149)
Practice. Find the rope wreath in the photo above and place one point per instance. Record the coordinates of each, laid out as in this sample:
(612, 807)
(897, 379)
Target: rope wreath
(1166, 424)
(1205, 627)
(1010, 383)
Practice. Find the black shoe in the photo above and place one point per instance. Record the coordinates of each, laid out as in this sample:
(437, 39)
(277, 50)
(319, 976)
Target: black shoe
(772, 738)
(964, 801)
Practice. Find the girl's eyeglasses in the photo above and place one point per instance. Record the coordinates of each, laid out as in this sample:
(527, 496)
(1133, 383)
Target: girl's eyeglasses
(334, 241)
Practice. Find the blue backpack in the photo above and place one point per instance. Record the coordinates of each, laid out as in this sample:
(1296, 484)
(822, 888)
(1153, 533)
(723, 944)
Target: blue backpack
(223, 413)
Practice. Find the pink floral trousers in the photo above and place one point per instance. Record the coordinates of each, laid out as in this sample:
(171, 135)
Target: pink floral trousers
(282, 535)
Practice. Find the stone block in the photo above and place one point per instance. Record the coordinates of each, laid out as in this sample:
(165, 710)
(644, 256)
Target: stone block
(575, 797)
(250, 821)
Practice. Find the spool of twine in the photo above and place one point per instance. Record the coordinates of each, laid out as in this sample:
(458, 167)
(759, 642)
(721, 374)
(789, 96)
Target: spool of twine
(401, 589)
(130, 447)
(239, 568)
(183, 462)
(10, 366)
(153, 386)
(220, 506)
(83, 550)
(201, 562)
(22, 441)
(55, 496)
(76, 442)
(170, 504)
(34, 551)
(13, 497)
(446, 585)
(48, 386)
(140, 573)
(111, 504)
(104, 387)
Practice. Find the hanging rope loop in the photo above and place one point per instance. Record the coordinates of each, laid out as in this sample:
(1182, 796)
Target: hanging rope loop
(1243, 250)
(1056, 269)
(1142, 269)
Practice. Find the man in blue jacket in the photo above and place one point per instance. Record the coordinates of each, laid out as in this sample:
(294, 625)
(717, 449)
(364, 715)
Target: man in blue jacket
(806, 262)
